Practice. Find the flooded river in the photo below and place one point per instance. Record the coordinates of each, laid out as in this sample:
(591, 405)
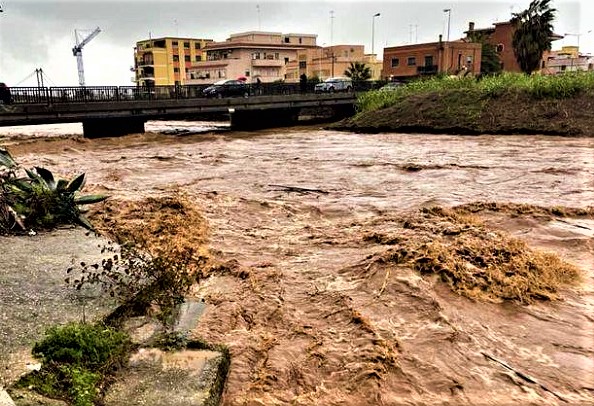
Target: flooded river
(311, 324)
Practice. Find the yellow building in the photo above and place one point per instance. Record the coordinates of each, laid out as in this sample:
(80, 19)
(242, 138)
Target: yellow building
(325, 62)
(165, 61)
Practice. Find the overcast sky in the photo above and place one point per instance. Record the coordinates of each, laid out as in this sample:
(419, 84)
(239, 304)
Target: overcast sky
(40, 33)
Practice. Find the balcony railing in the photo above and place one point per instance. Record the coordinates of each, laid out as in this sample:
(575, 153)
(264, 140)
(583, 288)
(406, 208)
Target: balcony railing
(267, 62)
(427, 70)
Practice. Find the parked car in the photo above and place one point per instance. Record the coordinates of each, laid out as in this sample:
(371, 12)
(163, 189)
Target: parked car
(391, 86)
(332, 85)
(5, 95)
(227, 88)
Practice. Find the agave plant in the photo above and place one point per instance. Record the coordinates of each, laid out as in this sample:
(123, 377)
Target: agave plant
(39, 199)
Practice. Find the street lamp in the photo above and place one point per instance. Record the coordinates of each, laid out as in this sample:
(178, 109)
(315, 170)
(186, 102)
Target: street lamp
(373, 32)
(449, 11)
(578, 36)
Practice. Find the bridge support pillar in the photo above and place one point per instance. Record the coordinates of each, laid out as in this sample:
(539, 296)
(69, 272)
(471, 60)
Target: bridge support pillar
(112, 127)
(269, 118)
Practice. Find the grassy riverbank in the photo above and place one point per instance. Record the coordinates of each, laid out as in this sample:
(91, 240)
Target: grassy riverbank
(504, 104)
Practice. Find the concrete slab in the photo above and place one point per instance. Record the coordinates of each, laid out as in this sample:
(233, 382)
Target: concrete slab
(183, 378)
(35, 296)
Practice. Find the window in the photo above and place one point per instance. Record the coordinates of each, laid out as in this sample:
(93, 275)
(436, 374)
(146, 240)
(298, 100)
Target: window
(286, 40)
(302, 64)
(198, 58)
(247, 73)
(276, 55)
(175, 70)
(300, 40)
(411, 61)
(499, 48)
(197, 45)
(286, 61)
(186, 45)
(187, 58)
(428, 60)
(175, 58)
(174, 43)
(256, 55)
(395, 62)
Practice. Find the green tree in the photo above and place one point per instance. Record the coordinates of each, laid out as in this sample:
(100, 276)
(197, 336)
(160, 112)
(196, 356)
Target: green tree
(358, 72)
(533, 32)
(490, 62)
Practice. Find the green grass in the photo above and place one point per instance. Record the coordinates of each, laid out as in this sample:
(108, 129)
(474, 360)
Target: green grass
(537, 86)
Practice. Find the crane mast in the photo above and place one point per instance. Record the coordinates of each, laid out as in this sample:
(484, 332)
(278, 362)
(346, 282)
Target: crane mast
(77, 51)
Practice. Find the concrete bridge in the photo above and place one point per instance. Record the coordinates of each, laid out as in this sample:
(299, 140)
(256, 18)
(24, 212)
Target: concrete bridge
(114, 111)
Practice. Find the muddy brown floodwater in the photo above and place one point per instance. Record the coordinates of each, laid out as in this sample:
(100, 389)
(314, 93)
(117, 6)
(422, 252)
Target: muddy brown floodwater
(307, 322)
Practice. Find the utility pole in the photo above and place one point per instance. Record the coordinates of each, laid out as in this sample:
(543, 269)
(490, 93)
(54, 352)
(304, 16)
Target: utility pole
(39, 75)
(259, 22)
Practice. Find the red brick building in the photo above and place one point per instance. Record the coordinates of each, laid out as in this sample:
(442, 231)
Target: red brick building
(431, 58)
(501, 37)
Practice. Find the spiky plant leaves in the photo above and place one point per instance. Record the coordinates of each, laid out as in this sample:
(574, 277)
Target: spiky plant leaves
(89, 199)
(61, 185)
(47, 176)
(83, 221)
(6, 159)
(76, 183)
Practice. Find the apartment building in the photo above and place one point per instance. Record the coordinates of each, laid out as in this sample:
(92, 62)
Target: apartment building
(325, 62)
(253, 55)
(451, 57)
(567, 59)
(165, 61)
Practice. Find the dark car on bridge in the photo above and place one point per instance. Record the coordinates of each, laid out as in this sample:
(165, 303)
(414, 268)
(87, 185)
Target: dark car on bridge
(227, 88)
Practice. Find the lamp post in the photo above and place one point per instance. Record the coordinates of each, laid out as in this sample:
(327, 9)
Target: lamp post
(331, 38)
(373, 33)
(449, 11)
(578, 36)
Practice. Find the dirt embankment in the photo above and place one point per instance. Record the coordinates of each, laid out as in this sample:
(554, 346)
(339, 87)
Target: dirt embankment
(460, 112)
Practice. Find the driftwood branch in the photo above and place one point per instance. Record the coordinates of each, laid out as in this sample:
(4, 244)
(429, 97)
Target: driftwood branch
(298, 189)
(523, 376)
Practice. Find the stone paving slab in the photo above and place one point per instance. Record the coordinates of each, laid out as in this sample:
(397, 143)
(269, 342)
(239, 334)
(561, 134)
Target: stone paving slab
(182, 378)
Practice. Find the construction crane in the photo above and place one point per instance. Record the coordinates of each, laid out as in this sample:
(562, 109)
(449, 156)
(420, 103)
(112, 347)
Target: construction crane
(77, 51)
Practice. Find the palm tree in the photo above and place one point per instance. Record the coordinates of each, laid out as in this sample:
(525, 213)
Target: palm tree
(534, 29)
(358, 72)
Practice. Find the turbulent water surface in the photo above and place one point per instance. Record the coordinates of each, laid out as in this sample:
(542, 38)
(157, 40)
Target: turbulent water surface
(310, 324)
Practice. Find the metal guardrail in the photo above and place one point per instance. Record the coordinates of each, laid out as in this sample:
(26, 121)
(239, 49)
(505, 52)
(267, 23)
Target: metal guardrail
(89, 94)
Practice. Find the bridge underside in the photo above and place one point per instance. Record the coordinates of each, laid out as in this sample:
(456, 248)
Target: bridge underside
(246, 120)
(111, 118)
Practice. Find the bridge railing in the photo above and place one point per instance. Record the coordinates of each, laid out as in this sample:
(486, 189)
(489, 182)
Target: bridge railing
(89, 94)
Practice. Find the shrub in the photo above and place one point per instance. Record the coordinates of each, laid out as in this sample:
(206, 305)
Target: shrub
(76, 358)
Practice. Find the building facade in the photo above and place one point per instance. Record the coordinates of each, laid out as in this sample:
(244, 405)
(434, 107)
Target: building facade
(501, 37)
(252, 55)
(452, 57)
(165, 61)
(325, 62)
(568, 59)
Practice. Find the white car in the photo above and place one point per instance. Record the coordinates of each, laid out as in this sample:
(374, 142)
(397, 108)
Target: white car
(331, 85)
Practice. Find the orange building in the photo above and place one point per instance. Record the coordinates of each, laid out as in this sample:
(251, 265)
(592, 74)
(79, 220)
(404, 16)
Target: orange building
(432, 58)
(325, 62)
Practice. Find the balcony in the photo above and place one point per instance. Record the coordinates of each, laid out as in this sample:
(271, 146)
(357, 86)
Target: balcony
(427, 70)
(267, 62)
